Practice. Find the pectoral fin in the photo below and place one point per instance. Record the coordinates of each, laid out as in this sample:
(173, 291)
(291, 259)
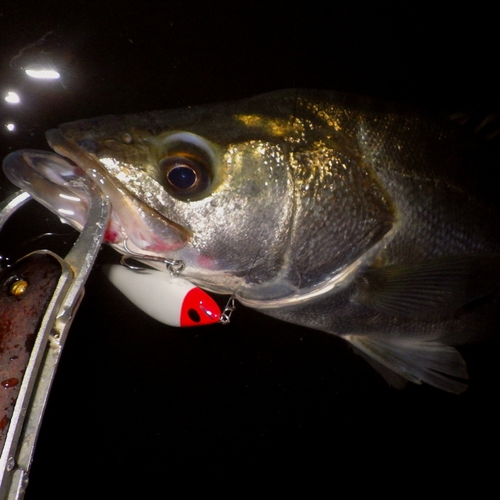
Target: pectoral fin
(429, 290)
(416, 360)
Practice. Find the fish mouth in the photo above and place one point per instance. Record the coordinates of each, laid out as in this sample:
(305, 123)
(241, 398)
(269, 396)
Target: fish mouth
(60, 181)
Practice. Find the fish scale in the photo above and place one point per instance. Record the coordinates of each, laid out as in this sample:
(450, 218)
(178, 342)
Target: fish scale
(346, 214)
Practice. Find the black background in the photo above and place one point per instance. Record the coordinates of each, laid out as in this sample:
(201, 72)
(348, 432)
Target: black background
(137, 406)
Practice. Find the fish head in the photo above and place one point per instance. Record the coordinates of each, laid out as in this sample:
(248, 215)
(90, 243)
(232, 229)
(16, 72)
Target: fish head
(264, 198)
(207, 185)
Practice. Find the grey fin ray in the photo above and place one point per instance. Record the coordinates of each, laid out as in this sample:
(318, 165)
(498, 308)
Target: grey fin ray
(417, 360)
(431, 289)
(392, 378)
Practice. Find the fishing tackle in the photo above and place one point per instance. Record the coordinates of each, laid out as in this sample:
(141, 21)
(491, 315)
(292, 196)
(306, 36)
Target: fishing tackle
(167, 298)
(174, 266)
(29, 391)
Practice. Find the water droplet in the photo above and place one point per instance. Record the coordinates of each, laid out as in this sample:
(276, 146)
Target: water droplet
(10, 382)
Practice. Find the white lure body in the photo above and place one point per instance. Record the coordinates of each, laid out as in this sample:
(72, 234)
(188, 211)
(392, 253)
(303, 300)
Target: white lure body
(169, 299)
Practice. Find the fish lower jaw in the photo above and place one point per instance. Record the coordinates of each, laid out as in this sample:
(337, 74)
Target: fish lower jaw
(130, 227)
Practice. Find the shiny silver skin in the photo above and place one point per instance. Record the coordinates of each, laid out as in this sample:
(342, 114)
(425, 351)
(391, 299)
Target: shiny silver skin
(333, 211)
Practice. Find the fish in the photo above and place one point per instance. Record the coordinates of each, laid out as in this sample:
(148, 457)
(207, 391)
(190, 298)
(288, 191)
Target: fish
(341, 213)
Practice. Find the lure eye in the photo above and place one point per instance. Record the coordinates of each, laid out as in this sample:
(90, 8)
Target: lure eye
(184, 177)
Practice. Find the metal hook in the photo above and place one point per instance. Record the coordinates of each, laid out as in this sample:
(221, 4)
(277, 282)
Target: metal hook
(124, 262)
(174, 266)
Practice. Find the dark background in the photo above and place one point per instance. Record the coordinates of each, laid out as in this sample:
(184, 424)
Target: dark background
(138, 406)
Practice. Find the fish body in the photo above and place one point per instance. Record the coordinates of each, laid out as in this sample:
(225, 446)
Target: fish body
(337, 212)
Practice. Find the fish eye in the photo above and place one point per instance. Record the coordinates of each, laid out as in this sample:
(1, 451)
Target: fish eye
(184, 177)
(186, 165)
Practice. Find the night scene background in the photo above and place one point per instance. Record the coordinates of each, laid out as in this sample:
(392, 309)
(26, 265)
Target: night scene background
(137, 406)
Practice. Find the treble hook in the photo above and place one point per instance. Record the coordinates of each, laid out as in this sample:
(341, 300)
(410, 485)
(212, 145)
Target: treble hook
(174, 266)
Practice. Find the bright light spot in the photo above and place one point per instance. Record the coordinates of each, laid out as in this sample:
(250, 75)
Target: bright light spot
(68, 197)
(10, 127)
(12, 98)
(43, 74)
(62, 211)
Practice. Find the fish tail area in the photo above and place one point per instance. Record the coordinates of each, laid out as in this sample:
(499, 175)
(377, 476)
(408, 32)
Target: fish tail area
(417, 361)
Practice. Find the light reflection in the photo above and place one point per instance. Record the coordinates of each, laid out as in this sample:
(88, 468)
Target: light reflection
(12, 98)
(68, 197)
(63, 211)
(10, 127)
(43, 74)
